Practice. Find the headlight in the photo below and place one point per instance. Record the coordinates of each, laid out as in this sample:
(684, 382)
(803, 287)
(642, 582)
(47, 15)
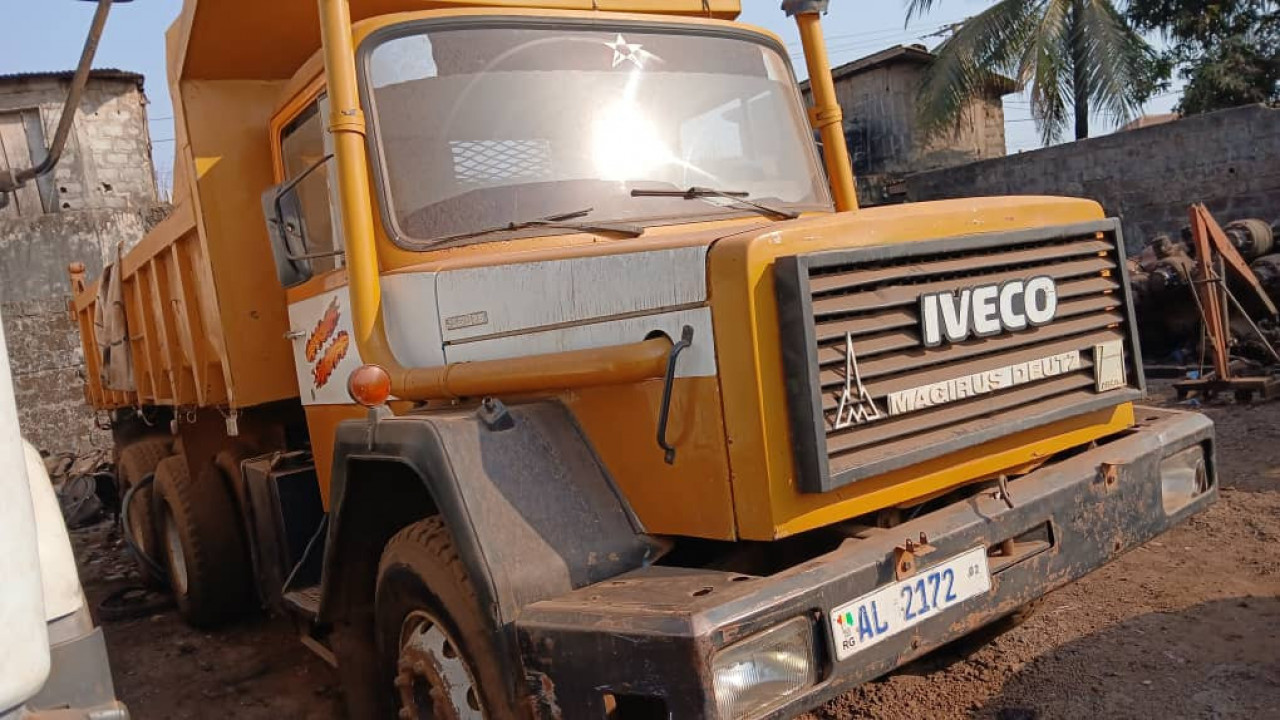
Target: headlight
(763, 671)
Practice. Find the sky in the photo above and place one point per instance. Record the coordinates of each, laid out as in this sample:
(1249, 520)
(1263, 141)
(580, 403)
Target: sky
(43, 35)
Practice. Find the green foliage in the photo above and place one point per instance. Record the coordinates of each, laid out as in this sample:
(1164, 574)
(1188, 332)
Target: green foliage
(1228, 52)
(1074, 55)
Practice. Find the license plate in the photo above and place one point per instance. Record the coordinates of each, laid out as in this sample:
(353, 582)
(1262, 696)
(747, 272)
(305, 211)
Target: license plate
(861, 623)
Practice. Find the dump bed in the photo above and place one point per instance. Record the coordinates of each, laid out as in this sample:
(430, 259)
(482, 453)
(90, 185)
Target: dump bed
(153, 333)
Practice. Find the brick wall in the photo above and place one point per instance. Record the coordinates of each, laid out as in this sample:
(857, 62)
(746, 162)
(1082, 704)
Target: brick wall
(1229, 160)
(107, 161)
(885, 139)
(881, 107)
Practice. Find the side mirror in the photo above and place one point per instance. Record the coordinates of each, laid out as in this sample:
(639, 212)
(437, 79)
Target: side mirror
(287, 228)
(288, 233)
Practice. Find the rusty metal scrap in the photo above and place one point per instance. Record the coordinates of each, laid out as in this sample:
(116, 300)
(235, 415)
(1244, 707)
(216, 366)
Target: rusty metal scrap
(1220, 311)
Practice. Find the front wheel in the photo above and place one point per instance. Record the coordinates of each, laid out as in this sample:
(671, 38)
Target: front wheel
(437, 647)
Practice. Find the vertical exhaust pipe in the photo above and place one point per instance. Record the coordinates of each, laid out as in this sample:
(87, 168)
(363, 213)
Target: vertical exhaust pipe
(825, 115)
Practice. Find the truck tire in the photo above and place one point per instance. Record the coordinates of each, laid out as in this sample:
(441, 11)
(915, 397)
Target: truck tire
(203, 549)
(138, 460)
(430, 627)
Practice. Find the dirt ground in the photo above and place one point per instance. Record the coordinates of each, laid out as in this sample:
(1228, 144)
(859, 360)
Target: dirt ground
(1187, 626)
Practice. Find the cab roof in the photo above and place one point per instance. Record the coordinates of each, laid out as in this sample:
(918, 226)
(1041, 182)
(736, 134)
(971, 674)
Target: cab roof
(270, 39)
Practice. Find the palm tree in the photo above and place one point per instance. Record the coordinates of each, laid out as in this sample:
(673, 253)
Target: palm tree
(1077, 54)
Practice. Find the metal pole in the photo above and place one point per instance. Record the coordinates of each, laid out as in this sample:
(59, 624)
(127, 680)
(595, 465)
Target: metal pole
(65, 122)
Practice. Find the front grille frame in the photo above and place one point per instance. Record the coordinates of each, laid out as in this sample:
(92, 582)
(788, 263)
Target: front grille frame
(800, 347)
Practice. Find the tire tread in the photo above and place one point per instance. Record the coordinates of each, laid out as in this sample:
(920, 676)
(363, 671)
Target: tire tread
(218, 584)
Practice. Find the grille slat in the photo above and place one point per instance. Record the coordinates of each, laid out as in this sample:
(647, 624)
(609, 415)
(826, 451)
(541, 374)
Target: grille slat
(832, 353)
(880, 458)
(923, 402)
(967, 265)
(894, 295)
(929, 374)
(1008, 344)
(951, 414)
(868, 323)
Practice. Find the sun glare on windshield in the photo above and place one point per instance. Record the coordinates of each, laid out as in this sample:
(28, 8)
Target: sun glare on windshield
(477, 125)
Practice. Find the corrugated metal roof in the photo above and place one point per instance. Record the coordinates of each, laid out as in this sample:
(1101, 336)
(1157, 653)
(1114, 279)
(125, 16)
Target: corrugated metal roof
(917, 54)
(95, 74)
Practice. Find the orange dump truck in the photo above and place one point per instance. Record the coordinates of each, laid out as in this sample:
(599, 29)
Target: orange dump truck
(528, 352)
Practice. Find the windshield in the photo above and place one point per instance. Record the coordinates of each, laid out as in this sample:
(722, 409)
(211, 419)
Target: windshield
(483, 126)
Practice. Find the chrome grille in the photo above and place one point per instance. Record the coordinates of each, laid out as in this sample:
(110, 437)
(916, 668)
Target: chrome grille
(869, 299)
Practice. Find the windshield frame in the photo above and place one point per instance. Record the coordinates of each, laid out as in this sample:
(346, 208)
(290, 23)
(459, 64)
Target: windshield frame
(376, 149)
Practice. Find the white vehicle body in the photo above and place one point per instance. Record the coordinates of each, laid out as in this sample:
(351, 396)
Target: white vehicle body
(53, 660)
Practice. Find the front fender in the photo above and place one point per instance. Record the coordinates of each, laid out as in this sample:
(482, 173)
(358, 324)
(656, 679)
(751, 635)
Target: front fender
(531, 509)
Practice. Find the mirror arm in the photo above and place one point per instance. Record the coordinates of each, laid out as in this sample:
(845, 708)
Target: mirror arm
(284, 189)
(315, 256)
(297, 179)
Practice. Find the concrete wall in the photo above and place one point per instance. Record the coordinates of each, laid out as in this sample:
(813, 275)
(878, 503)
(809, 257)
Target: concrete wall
(1229, 160)
(44, 344)
(101, 197)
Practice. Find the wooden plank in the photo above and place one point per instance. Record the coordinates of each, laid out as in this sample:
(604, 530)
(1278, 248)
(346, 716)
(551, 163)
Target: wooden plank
(161, 387)
(180, 222)
(170, 353)
(92, 360)
(33, 124)
(142, 377)
(199, 277)
(181, 312)
(15, 156)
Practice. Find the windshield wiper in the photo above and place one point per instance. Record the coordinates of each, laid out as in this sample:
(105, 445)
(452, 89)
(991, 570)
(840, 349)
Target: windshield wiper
(742, 198)
(560, 220)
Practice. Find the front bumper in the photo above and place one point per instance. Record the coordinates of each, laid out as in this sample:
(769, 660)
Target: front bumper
(651, 634)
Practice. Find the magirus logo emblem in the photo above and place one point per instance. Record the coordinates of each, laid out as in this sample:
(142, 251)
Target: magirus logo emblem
(986, 310)
(856, 406)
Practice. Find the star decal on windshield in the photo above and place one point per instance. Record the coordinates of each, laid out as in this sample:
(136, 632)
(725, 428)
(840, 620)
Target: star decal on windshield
(624, 51)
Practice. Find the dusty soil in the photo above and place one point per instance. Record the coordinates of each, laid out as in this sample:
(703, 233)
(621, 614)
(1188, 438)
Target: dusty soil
(1187, 626)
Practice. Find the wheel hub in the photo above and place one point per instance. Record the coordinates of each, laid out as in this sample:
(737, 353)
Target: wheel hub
(177, 561)
(432, 678)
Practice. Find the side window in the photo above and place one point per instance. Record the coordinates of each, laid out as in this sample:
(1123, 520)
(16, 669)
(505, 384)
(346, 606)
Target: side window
(303, 143)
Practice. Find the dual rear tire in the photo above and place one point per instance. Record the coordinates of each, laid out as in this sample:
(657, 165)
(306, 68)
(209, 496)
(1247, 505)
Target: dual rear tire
(201, 543)
(136, 462)
(189, 528)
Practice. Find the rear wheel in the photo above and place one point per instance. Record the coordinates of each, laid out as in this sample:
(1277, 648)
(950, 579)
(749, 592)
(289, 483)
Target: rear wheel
(203, 548)
(138, 460)
(438, 649)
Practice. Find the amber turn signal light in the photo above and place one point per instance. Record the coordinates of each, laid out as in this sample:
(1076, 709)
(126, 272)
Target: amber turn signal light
(369, 385)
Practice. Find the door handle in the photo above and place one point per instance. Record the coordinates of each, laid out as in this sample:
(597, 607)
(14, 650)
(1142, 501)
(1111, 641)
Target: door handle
(686, 339)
